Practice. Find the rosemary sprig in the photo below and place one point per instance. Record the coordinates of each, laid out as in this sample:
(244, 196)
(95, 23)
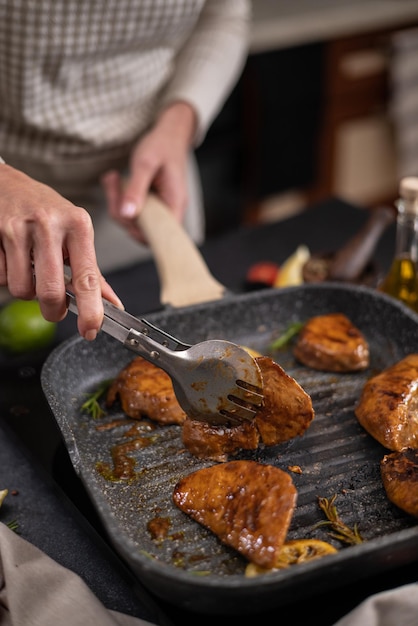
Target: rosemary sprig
(92, 405)
(13, 525)
(341, 531)
(285, 338)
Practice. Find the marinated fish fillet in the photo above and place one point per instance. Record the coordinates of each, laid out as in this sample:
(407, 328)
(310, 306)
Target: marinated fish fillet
(388, 405)
(287, 410)
(144, 389)
(247, 505)
(216, 443)
(399, 472)
(287, 413)
(332, 343)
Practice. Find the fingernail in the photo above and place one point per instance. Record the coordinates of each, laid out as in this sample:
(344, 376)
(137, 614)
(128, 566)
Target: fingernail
(91, 334)
(128, 209)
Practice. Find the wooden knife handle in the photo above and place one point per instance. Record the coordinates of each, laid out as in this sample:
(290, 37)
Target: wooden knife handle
(184, 276)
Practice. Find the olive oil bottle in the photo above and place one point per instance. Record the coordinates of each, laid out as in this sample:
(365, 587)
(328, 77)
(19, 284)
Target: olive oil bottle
(401, 282)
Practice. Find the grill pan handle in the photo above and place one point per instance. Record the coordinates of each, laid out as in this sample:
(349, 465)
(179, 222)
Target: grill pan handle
(184, 276)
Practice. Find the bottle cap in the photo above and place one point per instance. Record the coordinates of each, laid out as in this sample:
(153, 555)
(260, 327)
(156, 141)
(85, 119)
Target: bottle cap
(408, 188)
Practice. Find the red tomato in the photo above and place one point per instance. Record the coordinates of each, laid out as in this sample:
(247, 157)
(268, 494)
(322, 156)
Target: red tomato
(263, 272)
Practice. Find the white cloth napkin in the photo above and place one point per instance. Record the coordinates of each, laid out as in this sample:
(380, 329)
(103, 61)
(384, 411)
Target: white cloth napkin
(37, 591)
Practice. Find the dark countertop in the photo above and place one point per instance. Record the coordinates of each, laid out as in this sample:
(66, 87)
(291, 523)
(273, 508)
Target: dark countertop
(52, 508)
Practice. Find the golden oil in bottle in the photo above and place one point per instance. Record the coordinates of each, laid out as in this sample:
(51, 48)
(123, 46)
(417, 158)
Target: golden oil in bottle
(401, 281)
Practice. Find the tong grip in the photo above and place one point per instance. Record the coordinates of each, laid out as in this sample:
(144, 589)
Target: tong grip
(121, 318)
(161, 337)
(131, 323)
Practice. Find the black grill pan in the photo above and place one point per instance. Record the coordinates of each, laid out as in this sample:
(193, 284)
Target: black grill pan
(191, 568)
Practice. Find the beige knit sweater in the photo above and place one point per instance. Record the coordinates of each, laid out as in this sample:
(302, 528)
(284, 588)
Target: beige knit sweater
(80, 80)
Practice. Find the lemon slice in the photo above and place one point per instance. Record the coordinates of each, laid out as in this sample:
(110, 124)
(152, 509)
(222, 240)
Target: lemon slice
(293, 552)
(290, 272)
(3, 494)
(252, 352)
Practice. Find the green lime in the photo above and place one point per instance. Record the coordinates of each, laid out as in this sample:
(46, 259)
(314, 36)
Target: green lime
(23, 328)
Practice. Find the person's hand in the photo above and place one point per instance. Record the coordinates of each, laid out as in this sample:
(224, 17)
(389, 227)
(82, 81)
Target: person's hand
(39, 230)
(158, 163)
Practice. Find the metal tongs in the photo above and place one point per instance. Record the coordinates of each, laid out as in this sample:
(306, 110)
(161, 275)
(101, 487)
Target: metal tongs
(215, 381)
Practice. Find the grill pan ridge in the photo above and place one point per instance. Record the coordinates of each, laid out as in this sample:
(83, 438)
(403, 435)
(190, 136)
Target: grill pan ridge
(191, 568)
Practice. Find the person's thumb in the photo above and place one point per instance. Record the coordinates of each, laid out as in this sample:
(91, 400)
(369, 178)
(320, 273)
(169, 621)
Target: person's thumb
(134, 195)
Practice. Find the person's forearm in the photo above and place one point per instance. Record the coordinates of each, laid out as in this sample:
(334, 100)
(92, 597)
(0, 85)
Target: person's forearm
(182, 117)
(211, 60)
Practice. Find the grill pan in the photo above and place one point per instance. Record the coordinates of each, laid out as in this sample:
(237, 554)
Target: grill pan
(190, 568)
